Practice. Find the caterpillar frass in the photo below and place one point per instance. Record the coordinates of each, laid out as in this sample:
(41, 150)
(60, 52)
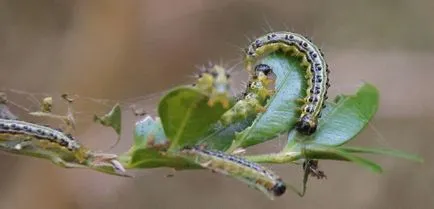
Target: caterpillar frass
(26, 138)
(317, 72)
(251, 173)
(214, 81)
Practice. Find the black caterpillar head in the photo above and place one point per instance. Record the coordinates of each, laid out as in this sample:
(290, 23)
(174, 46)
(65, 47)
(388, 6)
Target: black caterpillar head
(266, 69)
(279, 188)
(306, 125)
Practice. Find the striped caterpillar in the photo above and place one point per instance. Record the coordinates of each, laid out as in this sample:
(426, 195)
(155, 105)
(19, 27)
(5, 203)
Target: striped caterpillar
(62, 149)
(316, 71)
(214, 81)
(21, 128)
(252, 101)
(251, 173)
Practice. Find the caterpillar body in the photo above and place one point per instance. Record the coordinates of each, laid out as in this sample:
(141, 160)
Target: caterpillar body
(312, 59)
(26, 138)
(252, 100)
(31, 130)
(214, 81)
(251, 173)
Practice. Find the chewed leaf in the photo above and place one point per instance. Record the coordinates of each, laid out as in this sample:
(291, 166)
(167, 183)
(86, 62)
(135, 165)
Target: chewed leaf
(343, 120)
(149, 149)
(111, 119)
(186, 115)
(281, 110)
(149, 132)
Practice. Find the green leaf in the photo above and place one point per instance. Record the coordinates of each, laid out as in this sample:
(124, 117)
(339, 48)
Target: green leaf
(111, 119)
(152, 158)
(344, 119)
(186, 116)
(149, 129)
(281, 111)
(184, 107)
(149, 147)
(389, 152)
(220, 137)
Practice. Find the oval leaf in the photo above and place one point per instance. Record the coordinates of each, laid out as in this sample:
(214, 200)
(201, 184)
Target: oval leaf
(343, 119)
(149, 145)
(149, 129)
(186, 116)
(281, 113)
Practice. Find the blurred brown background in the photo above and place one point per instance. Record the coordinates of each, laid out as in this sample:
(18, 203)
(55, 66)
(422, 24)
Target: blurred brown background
(127, 49)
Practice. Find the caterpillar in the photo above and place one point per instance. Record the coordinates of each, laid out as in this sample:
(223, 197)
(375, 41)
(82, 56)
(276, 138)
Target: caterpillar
(251, 173)
(252, 101)
(214, 81)
(17, 127)
(41, 141)
(317, 72)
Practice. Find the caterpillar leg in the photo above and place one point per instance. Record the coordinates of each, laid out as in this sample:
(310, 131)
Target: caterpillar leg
(260, 108)
(300, 101)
